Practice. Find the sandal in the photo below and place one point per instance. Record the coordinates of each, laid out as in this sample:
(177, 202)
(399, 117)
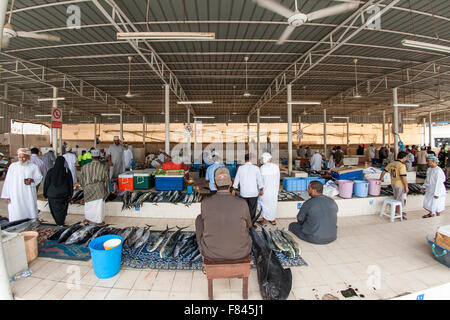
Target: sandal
(274, 223)
(263, 222)
(427, 215)
(86, 222)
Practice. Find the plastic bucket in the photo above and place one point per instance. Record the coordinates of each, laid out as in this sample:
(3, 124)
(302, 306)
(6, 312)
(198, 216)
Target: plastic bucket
(345, 188)
(374, 187)
(106, 263)
(31, 244)
(361, 188)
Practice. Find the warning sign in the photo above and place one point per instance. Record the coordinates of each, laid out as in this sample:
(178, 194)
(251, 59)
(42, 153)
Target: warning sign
(56, 118)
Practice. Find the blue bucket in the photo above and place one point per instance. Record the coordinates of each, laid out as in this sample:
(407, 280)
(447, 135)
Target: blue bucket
(361, 188)
(106, 263)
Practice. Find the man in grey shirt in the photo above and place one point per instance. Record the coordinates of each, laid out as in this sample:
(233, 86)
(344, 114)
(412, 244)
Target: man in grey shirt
(317, 218)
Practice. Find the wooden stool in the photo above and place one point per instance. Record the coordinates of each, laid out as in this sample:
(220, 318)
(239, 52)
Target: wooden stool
(227, 269)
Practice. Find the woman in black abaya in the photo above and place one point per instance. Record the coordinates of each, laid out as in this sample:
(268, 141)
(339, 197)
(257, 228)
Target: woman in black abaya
(58, 188)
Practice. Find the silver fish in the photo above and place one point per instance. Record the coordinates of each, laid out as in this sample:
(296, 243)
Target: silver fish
(143, 239)
(169, 245)
(292, 242)
(134, 237)
(79, 234)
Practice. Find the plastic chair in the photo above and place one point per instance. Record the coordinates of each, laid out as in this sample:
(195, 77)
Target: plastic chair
(393, 203)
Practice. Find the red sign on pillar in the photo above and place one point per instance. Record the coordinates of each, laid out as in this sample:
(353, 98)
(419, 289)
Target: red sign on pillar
(56, 118)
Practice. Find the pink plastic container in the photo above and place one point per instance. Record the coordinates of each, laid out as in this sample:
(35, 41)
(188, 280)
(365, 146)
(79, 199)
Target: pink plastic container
(374, 187)
(345, 188)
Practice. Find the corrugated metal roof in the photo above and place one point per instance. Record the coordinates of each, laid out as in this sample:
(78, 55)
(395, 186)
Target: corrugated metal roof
(210, 69)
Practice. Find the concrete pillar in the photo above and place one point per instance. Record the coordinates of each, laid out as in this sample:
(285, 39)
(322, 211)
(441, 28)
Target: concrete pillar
(395, 102)
(384, 128)
(257, 136)
(121, 125)
(299, 128)
(95, 132)
(389, 134)
(167, 118)
(424, 125)
(54, 130)
(324, 133)
(189, 145)
(289, 127)
(348, 133)
(60, 141)
(430, 140)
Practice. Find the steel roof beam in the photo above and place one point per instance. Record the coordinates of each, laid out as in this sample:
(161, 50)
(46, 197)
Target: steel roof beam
(155, 62)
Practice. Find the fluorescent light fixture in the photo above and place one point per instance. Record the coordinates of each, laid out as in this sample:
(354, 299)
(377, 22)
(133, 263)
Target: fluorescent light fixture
(357, 96)
(51, 99)
(406, 105)
(195, 102)
(340, 118)
(166, 35)
(2, 117)
(43, 115)
(247, 94)
(409, 118)
(304, 102)
(110, 114)
(269, 117)
(425, 45)
(204, 117)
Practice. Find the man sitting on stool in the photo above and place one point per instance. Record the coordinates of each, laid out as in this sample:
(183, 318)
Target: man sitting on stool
(317, 218)
(222, 227)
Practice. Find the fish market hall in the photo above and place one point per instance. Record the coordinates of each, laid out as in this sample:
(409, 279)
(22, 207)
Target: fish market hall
(225, 150)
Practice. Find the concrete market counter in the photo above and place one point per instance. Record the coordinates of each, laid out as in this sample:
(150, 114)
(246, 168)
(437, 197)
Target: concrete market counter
(286, 209)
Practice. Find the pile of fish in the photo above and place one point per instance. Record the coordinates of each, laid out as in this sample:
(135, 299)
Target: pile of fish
(20, 225)
(77, 197)
(179, 245)
(284, 195)
(280, 241)
(137, 199)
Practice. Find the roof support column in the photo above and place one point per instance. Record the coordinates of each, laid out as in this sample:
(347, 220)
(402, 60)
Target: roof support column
(395, 100)
(325, 134)
(167, 117)
(384, 128)
(348, 133)
(189, 144)
(95, 132)
(424, 126)
(121, 125)
(257, 136)
(289, 127)
(54, 130)
(143, 133)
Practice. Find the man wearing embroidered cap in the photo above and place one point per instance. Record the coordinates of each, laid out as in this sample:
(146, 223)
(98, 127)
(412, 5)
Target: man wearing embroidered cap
(222, 227)
(71, 160)
(19, 188)
(115, 159)
(434, 189)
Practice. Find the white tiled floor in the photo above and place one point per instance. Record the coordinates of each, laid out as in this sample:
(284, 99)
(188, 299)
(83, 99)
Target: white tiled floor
(367, 247)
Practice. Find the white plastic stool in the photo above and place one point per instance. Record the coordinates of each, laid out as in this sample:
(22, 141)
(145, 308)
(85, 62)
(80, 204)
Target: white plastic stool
(393, 203)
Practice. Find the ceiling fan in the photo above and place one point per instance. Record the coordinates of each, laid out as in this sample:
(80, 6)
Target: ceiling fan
(129, 94)
(9, 33)
(297, 18)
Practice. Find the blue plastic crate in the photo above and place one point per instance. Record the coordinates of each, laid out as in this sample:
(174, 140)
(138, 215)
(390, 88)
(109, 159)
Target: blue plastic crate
(309, 179)
(354, 175)
(169, 183)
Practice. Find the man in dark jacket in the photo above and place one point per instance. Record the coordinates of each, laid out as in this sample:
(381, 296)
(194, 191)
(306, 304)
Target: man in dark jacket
(222, 227)
(317, 218)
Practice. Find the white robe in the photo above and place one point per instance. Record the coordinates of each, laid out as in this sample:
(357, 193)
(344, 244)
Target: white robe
(71, 160)
(434, 186)
(23, 198)
(331, 163)
(316, 162)
(267, 203)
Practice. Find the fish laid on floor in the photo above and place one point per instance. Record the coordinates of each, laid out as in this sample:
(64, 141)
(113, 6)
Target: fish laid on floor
(82, 234)
(143, 239)
(134, 237)
(169, 245)
(68, 232)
